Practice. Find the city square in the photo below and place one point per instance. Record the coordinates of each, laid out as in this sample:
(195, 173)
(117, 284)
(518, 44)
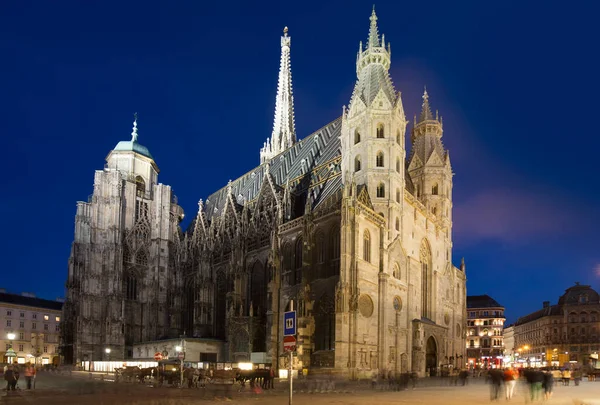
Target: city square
(59, 389)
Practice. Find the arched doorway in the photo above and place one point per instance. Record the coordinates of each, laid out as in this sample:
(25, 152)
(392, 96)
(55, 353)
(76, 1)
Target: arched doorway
(431, 356)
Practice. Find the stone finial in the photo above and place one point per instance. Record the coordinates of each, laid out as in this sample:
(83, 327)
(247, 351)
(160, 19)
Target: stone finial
(134, 133)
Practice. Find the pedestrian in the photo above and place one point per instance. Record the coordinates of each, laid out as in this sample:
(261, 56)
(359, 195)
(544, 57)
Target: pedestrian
(29, 373)
(496, 377)
(510, 381)
(9, 377)
(548, 384)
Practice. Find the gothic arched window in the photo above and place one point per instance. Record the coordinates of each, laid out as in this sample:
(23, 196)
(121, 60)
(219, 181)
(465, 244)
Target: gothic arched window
(434, 189)
(131, 288)
(380, 130)
(298, 261)
(380, 159)
(426, 280)
(397, 195)
(381, 190)
(397, 224)
(357, 163)
(367, 246)
(398, 137)
(320, 247)
(140, 186)
(334, 244)
(398, 165)
(396, 273)
(356, 136)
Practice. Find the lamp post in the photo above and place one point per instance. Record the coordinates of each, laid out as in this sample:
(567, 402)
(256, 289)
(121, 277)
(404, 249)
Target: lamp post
(179, 349)
(107, 351)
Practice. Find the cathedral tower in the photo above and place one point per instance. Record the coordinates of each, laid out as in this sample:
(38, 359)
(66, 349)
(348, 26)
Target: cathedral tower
(284, 127)
(373, 129)
(429, 165)
(122, 264)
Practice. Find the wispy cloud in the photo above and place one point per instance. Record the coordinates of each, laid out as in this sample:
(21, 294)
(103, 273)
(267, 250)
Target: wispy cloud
(513, 216)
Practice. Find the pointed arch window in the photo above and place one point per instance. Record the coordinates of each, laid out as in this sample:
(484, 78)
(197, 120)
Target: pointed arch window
(381, 190)
(131, 288)
(357, 163)
(334, 244)
(418, 191)
(397, 195)
(398, 165)
(434, 189)
(367, 246)
(320, 247)
(434, 210)
(298, 261)
(426, 280)
(380, 132)
(356, 136)
(380, 160)
(397, 224)
(398, 137)
(140, 186)
(396, 273)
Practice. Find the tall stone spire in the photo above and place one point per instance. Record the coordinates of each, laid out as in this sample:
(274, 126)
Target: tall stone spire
(284, 127)
(425, 108)
(372, 69)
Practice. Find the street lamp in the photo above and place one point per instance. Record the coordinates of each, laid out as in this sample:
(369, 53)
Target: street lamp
(107, 351)
(11, 337)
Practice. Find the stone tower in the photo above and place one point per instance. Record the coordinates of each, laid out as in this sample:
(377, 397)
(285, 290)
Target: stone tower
(122, 264)
(373, 130)
(429, 165)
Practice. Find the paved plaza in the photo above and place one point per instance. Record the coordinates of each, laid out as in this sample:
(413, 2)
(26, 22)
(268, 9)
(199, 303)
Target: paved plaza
(62, 389)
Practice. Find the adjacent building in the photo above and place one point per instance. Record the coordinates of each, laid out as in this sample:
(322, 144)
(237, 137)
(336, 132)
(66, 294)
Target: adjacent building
(509, 344)
(566, 332)
(34, 326)
(347, 224)
(485, 325)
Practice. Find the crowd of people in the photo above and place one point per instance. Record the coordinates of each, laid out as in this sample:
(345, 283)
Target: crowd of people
(12, 374)
(540, 382)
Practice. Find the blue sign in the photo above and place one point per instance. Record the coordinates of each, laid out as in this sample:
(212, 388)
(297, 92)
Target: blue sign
(289, 323)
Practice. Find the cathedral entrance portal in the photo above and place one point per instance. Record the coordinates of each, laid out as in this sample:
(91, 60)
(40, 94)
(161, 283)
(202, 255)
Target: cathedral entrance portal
(431, 356)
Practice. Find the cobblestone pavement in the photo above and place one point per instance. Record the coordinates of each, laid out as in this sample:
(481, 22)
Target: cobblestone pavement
(57, 389)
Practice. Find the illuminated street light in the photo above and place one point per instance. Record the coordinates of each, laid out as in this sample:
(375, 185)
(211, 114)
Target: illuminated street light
(11, 337)
(107, 350)
(178, 348)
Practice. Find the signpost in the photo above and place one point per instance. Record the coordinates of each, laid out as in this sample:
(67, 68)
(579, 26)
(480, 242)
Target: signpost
(289, 344)
(158, 356)
(289, 340)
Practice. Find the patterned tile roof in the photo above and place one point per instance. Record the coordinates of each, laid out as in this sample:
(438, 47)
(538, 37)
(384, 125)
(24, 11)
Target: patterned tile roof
(313, 164)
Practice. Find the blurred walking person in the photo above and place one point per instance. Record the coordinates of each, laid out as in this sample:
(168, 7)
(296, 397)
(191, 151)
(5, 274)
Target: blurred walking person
(510, 381)
(496, 378)
(548, 384)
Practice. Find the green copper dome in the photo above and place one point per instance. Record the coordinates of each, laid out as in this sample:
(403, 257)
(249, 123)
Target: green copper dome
(133, 146)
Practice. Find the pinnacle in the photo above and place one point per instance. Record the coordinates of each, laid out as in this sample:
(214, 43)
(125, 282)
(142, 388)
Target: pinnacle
(373, 31)
(425, 109)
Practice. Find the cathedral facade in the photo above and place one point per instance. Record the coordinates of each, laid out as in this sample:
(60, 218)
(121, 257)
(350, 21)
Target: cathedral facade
(342, 222)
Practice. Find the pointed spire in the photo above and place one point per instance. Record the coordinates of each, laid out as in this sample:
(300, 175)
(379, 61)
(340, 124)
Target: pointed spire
(373, 32)
(284, 127)
(134, 133)
(425, 109)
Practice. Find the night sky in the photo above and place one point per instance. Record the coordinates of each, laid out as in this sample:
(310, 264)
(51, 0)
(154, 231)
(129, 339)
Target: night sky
(515, 81)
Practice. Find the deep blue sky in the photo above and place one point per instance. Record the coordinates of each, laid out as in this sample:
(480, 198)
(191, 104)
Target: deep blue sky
(516, 82)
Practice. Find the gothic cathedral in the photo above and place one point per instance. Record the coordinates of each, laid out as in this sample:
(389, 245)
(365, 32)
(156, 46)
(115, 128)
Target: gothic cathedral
(341, 222)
